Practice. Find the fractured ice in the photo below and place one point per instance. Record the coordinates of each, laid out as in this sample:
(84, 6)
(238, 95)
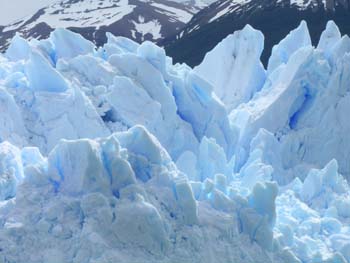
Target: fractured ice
(114, 154)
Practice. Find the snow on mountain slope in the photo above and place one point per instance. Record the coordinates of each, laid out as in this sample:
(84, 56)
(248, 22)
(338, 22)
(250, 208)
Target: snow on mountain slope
(123, 134)
(223, 8)
(198, 3)
(139, 20)
(101, 13)
(217, 21)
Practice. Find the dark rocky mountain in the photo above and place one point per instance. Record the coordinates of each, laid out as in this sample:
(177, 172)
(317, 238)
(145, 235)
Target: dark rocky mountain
(275, 18)
(136, 19)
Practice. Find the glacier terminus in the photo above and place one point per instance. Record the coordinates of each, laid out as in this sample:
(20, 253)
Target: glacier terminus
(115, 154)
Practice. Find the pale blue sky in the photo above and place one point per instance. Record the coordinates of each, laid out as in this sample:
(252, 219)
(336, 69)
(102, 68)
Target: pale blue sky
(11, 10)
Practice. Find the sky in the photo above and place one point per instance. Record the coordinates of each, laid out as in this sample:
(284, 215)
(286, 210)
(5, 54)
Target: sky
(11, 10)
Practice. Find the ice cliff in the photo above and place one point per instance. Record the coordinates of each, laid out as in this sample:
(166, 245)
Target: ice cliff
(114, 154)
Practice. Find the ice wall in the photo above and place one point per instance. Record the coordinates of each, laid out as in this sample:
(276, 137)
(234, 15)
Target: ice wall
(114, 154)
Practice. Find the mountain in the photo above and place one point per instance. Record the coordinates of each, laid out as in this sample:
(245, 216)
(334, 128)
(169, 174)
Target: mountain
(139, 20)
(275, 18)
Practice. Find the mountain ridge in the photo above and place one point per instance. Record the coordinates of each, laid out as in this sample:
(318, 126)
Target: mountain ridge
(139, 20)
(274, 18)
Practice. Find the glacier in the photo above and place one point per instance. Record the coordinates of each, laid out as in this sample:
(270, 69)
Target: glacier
(115, 154)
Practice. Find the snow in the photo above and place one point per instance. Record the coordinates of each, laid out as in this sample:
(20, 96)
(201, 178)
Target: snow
(85, 13)
(152, 27)
(301, 3)
(220, 13)
(104, 13)
(114, 154)
(228, 7)
(175, 13)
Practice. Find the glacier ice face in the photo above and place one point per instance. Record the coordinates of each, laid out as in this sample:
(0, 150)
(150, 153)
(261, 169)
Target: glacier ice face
(114, 154)
(301, 96)
(88, 199)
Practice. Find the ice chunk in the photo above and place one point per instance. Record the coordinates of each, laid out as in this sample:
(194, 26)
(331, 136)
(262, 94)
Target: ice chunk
(117, 46)
(154, 93)
(187, 163)
(336, 258)
(342, 205)
(92, 201)
(289, 257)
(198, 106)
(31, 156)
(16, 80)
(329, 37)
(331, 225)
(281, 53)
(154, 55)
(128, 110)
(187, 202)
(92, 70)
(340, 49)
(345, 250)
(146, 228)
(212, 160)
(139, 69)
(125, 44)
(255, 170)
(221, 182)
(232, 83)
(11, 122)
(42, 76)
(140, 142)
(76, 167)
(262, 200)
(119, 169)
(221, 202)
(312, 185)
(18, 49)
(258, 218)
(72, 117)
(68, 44)
(145, 152)
(11, 170)
(321, 186)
